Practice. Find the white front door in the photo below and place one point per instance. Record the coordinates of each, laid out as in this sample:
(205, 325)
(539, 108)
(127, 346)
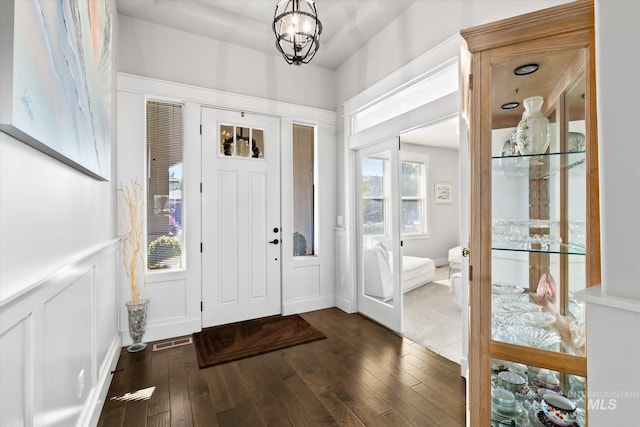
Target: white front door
(379, 246)
(240, 217)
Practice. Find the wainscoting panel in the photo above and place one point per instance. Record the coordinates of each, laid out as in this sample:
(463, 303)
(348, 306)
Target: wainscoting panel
(345, 298)
(162, 307)
(305, 283)
(105, 293)
(15, 356)
(68, 340)
(168, 313)
(305, 292)
(59, 342)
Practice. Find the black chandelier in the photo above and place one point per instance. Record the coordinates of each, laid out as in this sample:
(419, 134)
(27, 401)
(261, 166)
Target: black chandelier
(297, 29)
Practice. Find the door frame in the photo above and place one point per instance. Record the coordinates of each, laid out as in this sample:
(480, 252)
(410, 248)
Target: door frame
(429, 113)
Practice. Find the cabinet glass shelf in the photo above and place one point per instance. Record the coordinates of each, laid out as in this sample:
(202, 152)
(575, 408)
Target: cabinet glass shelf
(562, 248)
(538, 166)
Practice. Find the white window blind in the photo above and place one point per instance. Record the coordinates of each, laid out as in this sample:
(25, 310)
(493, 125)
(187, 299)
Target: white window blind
(165, 140)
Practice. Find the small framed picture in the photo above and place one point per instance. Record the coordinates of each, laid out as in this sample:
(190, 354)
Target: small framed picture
(443, 192)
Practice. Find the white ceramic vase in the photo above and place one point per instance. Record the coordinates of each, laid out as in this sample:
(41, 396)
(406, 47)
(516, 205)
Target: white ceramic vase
(533, 132)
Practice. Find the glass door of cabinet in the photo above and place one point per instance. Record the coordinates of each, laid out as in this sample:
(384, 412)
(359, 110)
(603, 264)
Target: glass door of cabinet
(538, 250)
(379, 251)
(534, 239)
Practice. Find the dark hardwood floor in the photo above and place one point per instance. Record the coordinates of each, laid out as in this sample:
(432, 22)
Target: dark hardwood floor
(361, 375)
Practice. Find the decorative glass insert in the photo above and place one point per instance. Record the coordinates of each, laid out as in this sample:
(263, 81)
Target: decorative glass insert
(227, 146)
(244, 142)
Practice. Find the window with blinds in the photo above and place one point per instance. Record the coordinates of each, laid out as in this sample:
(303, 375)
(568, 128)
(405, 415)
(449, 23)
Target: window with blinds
(165, 140)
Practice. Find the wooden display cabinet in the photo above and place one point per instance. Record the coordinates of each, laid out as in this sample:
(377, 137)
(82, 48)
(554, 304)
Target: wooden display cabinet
(532, 214)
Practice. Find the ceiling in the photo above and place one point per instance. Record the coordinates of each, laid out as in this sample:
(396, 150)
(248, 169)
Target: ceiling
(347, 24)
(443, 134)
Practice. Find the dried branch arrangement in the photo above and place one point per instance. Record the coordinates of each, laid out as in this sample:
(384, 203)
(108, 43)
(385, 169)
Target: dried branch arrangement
(132, 222)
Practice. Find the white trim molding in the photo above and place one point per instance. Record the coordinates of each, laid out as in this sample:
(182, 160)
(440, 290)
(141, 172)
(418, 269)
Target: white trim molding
(219, 99)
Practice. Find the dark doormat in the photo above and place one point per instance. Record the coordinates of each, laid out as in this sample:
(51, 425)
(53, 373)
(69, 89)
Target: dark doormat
(225, 343)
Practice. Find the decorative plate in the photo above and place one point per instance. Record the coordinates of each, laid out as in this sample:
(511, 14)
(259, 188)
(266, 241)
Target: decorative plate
(505, 416)
(576, 141)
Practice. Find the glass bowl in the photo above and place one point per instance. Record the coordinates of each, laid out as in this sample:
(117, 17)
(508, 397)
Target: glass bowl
(539, 319)
(518, 307)
(530, 336)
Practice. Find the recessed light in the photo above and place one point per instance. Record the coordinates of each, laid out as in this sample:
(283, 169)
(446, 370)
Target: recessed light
(523, 70)
(510, 105)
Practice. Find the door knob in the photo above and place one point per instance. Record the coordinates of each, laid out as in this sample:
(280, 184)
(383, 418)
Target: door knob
(275, 241)
(465, 252)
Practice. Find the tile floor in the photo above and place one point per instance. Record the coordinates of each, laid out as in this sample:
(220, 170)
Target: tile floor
(431, 319)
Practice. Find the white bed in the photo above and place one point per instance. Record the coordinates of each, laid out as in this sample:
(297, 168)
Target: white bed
(378, 271)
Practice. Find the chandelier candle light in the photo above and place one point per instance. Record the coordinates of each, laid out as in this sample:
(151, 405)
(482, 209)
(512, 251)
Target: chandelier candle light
(297, 29)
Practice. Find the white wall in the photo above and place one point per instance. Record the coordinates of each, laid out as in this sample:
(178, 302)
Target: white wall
(613, 310)
(444, 219)
(58, 293)
(163, 53)
(617, 94)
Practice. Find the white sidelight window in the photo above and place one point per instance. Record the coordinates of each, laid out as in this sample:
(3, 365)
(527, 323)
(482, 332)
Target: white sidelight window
(165, 219)
(304, 205)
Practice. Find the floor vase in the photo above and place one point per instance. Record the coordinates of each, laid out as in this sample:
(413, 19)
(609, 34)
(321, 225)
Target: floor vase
(137, 314)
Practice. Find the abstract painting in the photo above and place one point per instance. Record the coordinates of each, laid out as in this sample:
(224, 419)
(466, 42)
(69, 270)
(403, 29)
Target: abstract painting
(55, 79)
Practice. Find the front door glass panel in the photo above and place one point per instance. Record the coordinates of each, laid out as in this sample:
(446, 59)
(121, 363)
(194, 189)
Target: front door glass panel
(241, 142)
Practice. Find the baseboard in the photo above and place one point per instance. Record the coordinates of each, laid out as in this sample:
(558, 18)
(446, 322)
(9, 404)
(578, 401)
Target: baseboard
(464, 367)
(310, 304)
(345, 305)
(95, 402)
(166, 330)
